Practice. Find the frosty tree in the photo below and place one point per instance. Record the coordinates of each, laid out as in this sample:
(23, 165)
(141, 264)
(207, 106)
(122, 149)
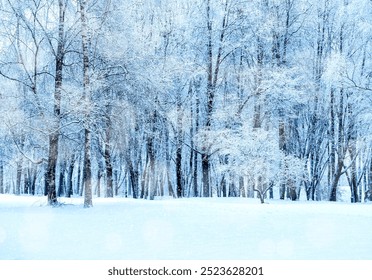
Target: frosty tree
(186, 98)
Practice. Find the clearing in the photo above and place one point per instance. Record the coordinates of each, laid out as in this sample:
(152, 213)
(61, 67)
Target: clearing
(183, 229)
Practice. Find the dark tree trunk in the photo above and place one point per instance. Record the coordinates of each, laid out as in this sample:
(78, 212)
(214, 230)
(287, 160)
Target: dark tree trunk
(161, 185)
(223, 186)
(336, 178)
(332, 144)
(259, 190)
(205, 171)
(51, 169)
(45, 183)
(116, 182)
(352, 142)
(179, 172)
(133, 174)
(79, 186)
(292, 194)
(179, 184)
(99, 176)
(107, 156)
(19, 177)
(61, 185)
(70, 170)
(26, 181)
(241, 187)
(195, 164)
(54, 135)
(232, 187)
(283, 148)
(134, 180)
(212, 78)
(195, 174)
(33, 181)
(144, 184)
(369, 190)
(168, 165)
(151, 157)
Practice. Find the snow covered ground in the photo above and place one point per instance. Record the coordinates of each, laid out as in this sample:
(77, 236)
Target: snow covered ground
(181, 229)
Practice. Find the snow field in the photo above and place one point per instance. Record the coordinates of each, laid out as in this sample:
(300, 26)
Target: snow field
(185, 229)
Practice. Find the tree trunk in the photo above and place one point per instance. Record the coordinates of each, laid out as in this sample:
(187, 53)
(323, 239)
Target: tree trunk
(352, 142)
(340, 148)
(210, 100)
(259, 190)
(232, 187)
(51, 169)
(212, 78)
(179, 171)
(369, 191)
(151, 156)
(205, 171)
(26, 181)
(283, 148)
(99, 176)
(336, 178)
(292, 189)
(54, 135)
(79, 186)
(179, 184)
(61, 186)
(19, 177)
(332, 144)
(70, 170)
(86, 85)
(132, 159)
(107, 156)
(241, 187)
(168, 165)
(33, 180)
(87, 175)
(134, 179)
(144, 184)
(223, 185)
(195, 164)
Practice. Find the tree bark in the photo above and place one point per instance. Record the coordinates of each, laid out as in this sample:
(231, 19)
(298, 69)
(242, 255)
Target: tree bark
(168, 165)
(86, 85)
(33, 180)
(352, 147)
(212, 78)
(70, 170)
(134, 178)
(108, 164)
(179, 184)
(19, 177)
(61, 186)
(205, 171)
(99, 176)
(151, 157)
(331, 133)
(283, 148)
(87, 173)
(369, 190)
(195, 163)
(54, 135)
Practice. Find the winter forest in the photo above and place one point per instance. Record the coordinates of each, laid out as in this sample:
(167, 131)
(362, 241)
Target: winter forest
(200, 98)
